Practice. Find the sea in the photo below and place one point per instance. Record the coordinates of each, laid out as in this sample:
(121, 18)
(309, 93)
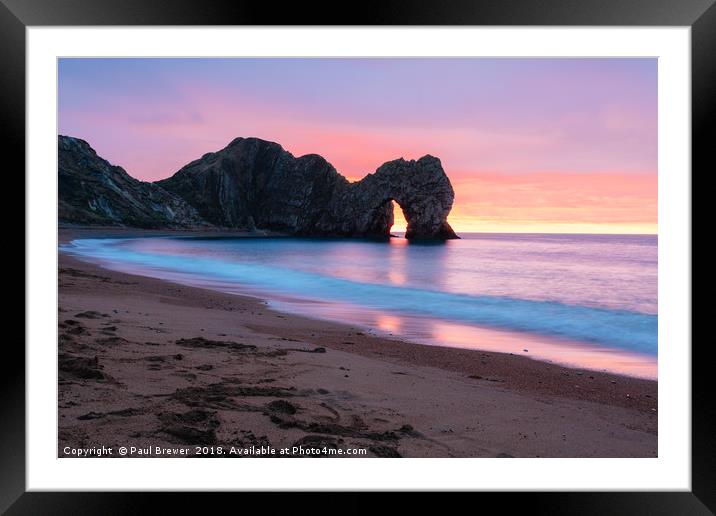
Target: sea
(586, 301)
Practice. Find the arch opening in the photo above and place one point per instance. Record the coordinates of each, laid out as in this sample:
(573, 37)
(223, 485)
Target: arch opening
(400, 224)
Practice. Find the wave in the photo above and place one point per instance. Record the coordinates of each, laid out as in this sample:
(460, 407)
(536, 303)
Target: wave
(613, 328)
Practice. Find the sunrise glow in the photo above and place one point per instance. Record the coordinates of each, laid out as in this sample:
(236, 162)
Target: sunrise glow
(530, 145)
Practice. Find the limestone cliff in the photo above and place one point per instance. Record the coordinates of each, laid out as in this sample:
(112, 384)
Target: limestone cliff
(253, 183)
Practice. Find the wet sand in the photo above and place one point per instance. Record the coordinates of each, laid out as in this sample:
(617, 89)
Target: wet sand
(146, 363)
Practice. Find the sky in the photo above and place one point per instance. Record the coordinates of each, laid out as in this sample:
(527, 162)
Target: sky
(530, 145)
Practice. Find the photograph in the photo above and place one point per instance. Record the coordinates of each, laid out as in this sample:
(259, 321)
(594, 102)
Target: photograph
(410, 239)
(357, 257)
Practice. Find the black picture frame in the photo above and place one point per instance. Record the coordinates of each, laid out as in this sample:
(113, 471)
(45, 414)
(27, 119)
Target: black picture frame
(16, 15)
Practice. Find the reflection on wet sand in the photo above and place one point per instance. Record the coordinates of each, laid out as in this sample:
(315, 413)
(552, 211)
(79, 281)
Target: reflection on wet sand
(443, 333)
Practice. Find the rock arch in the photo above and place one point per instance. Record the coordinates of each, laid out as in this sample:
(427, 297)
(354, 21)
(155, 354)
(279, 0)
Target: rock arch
(420, 188)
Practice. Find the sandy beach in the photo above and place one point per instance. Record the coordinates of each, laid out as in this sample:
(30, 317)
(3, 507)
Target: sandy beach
(146, 363)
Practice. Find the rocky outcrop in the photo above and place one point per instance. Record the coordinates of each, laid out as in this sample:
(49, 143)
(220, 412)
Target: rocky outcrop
(253, 183)
(92, 191)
